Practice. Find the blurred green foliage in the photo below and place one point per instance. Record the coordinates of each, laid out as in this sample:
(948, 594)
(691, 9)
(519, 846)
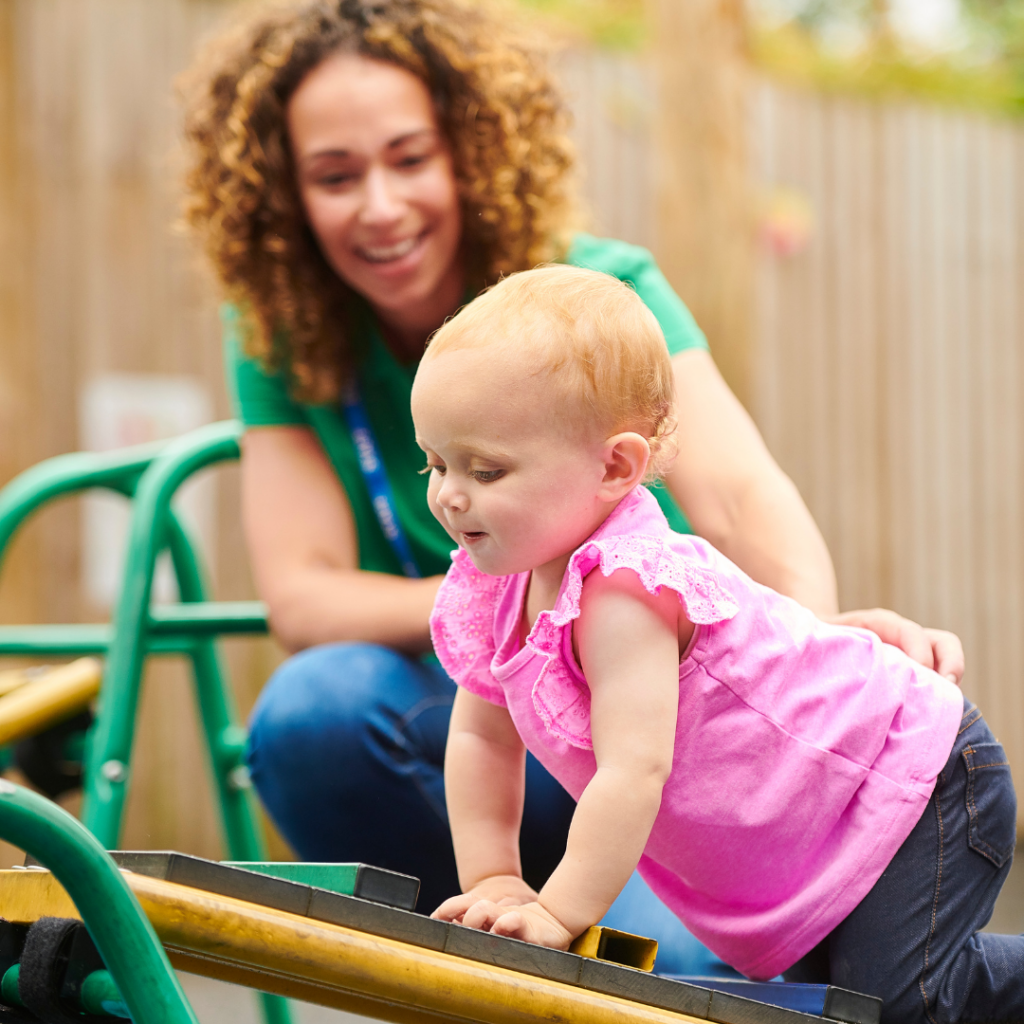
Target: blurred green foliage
(884, 70)
(983, 69)
(611, 24)
(999, 28)
(986, 71)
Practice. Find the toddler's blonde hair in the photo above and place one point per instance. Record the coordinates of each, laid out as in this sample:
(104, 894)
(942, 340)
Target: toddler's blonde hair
(601, 348)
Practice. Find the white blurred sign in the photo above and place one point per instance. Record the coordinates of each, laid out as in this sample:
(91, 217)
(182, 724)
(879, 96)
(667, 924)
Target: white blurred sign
(121, 409)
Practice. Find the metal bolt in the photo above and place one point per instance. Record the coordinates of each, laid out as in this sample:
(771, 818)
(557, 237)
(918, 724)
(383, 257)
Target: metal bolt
(239, 778)
(114, 771)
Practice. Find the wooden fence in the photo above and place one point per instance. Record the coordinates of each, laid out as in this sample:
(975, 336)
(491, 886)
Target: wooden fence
(886, 370)
(890, 378)
(888, 349)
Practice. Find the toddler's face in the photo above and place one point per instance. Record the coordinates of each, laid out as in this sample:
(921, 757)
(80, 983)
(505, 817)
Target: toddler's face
(507, 481)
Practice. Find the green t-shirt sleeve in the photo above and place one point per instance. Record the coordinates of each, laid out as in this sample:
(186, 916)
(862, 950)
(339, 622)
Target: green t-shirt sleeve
(636, 265)
(260, 399)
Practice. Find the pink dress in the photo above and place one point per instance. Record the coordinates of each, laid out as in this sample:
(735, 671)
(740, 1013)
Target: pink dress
(804, 754)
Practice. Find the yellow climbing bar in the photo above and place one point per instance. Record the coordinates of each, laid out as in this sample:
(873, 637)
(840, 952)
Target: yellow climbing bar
(31, 702)
(351, 970)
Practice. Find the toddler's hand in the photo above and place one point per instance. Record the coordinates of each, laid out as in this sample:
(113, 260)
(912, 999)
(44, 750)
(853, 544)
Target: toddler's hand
(499, 890)
(531, 923)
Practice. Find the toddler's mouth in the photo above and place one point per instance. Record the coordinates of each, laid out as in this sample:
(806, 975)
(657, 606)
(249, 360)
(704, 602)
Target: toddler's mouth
(470, 536)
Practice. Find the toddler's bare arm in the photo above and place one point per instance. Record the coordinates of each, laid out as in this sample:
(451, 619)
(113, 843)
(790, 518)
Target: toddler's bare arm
(629, 644)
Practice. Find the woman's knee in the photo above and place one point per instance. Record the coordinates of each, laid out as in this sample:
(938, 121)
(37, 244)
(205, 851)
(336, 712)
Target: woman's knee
(324, 696)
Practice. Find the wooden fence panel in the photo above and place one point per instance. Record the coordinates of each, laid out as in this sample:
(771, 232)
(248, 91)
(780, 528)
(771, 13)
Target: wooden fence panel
(889, 380)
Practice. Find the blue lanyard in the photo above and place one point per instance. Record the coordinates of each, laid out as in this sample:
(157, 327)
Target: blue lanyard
(377, 484)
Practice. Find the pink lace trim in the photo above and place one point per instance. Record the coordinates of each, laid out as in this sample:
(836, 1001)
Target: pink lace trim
(560, 695)
(462, 627)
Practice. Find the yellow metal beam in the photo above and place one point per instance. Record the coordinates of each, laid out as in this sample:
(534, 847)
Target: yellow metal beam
(331, 965)
(47, 699)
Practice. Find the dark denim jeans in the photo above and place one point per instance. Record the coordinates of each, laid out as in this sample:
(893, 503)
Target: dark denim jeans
(914, 940)
(346, 749)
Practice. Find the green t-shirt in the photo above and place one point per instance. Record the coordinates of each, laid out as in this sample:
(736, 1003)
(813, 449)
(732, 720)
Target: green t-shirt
(261, 400)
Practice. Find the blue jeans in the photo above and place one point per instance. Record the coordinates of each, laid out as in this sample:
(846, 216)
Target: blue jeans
(914, 940)
(346, 749)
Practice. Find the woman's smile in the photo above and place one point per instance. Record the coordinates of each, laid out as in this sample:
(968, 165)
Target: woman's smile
(390, 253)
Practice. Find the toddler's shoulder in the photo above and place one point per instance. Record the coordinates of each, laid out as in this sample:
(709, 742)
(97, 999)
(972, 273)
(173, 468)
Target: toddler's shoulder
(659, 561)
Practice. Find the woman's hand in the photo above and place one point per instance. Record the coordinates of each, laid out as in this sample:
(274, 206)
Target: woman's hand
(498, 891)
(934, 648)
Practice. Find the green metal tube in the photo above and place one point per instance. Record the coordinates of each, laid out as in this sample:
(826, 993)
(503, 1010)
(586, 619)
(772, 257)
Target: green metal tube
(225, 739)
(9, 986)
(110, 742)
(66, 474)
(100, 995)
(123, 935)
(172, 630)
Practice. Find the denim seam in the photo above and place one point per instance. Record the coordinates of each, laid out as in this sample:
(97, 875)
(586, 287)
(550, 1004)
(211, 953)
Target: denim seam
(964, 726)
(935, 907)
(973, 839)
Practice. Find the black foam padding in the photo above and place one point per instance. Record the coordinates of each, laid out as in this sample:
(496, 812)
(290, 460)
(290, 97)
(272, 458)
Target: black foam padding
(473, 944)
(44, 961)
(388, 922)
(83, 959)
(210, 876)
(382, 886)
(628, 983)
(729, 1009)
(851, 1007)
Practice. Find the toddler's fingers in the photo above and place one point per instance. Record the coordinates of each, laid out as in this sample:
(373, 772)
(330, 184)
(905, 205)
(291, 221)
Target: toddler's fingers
(512, 925)
(454, 907)
(482, 914)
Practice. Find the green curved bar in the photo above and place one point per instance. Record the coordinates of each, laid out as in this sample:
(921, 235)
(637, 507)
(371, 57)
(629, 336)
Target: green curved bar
(122, 933)
(67, 474)
(151, 531)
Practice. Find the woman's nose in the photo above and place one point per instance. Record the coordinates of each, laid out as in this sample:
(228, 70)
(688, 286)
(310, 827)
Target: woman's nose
(382, 203)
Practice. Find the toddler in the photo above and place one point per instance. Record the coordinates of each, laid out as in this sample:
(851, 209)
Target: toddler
(805, 798)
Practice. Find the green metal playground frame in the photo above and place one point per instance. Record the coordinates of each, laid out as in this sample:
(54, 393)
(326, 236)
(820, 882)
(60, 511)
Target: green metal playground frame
(149, 476)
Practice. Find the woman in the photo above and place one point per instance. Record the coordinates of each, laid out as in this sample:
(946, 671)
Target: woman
(361, 168)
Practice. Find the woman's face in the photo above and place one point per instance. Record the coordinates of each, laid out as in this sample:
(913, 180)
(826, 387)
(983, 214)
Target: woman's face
(378, 186)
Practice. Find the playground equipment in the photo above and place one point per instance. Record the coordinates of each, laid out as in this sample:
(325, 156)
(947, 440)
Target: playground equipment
(324, 946)
(149, 476)
(358, 947)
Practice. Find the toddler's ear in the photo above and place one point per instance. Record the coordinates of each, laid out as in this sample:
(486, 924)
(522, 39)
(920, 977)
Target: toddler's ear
(625, 462)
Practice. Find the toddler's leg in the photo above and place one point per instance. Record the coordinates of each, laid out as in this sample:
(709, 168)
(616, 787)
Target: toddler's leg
(915, 940)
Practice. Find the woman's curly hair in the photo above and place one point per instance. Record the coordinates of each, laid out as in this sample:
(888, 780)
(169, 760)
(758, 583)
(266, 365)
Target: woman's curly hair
(498, 107)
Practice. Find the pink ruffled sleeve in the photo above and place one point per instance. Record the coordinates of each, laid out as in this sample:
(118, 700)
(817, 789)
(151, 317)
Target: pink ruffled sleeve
(462, 627)
(560, 695)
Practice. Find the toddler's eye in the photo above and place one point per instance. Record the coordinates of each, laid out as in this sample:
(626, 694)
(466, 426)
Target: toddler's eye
(486, 476)
(430, 466)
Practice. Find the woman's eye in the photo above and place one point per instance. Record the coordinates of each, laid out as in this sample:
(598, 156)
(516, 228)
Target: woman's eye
(486, 476)
(336, 179)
